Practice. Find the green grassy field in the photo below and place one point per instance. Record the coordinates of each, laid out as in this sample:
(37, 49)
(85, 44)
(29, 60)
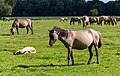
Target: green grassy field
(52, 61)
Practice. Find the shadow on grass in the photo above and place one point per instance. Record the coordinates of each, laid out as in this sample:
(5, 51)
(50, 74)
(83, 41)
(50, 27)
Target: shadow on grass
(49, 65)
(5, 34)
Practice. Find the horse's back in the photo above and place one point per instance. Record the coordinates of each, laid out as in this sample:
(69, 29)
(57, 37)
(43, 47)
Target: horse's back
(84, 38)
(22, 22)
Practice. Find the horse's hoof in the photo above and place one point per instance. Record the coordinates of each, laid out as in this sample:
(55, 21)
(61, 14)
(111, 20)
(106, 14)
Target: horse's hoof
(72, 63)
(88, 63)
(97, 62)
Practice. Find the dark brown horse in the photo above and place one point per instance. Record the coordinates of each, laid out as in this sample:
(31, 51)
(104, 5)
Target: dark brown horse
(93, 20)
(21, 23)
(81, 39)
(75, 19)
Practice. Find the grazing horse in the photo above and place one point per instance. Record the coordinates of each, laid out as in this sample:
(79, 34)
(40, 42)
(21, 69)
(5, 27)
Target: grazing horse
(81, 39)
(93, 20)
(21, 23)
(75, 19)
(85, 20)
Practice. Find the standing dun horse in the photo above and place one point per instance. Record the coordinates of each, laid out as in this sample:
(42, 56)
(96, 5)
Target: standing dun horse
(21, 23)
(81, 39)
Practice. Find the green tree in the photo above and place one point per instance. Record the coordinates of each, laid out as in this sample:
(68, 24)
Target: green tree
(69, 7)
(5, 9)
(81, 7)
(43, 6)
(11, 2)
(94, 12)
(60, 7)
(117, 8)
(110, 8)
(99, 5)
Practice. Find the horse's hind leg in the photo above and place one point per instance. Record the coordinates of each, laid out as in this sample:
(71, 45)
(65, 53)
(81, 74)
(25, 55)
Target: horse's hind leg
(31, 30)
(96, 53)
(91, 53)
(27, 29)
(17, 30)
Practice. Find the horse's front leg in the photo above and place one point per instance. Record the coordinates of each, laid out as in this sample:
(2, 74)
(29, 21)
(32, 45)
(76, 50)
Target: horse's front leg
(83, 24)
(70, 55)
(73, 22)
(72, 58)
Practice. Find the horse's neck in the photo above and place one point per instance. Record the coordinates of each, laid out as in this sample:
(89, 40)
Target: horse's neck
(65, 39)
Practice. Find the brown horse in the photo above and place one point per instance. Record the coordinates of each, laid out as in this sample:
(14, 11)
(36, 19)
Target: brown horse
(21, 23)
(81, 39)
(93, 20)
(75, 19)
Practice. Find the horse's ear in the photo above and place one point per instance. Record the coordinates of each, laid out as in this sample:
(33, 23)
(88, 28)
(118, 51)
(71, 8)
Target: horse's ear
(55, 27)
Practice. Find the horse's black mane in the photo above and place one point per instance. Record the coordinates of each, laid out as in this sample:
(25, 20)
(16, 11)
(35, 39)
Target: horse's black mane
(61, 32)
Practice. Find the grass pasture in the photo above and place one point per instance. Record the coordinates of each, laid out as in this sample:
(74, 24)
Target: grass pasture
(52, 61)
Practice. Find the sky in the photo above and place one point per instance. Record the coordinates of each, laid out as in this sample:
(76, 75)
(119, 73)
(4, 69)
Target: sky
(104, 0)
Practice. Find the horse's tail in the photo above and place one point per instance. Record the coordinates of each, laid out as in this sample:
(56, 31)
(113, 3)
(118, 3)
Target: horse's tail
(31, 26)
(100, 40)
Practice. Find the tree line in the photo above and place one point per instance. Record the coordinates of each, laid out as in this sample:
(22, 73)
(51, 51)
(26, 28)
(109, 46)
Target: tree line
(58, 8)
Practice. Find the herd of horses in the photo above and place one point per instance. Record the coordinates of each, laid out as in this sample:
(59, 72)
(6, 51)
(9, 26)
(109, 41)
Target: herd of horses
(90, 20)
(85, 20)
(81, 39)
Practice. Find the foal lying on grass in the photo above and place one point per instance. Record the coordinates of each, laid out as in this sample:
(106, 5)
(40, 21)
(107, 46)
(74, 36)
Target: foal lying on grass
(26, 50)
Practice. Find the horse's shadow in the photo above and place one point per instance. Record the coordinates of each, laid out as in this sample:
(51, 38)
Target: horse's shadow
(5, 34)
(47, 65)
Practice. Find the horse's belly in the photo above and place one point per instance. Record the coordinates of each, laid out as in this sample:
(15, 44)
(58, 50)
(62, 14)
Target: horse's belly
(21, 26)
(81, 44)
